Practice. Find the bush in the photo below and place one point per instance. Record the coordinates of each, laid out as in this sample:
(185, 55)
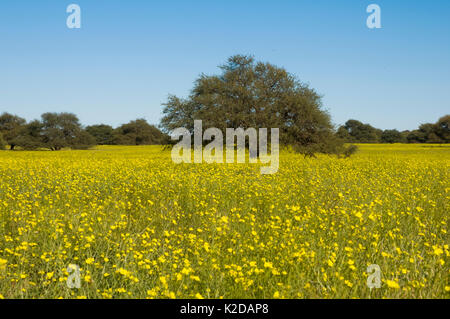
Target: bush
(83, 141)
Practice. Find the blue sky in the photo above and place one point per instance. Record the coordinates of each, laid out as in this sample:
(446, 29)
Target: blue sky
(129, 55)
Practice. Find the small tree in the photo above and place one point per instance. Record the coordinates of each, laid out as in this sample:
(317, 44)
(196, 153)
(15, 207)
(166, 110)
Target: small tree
(30, 136)
(103, 134)
(391, 136)
(61, 130)
(431, 133)
(362, 133)
(83, 141)
(442, 129)
(416, 137)
(139, 132)
(10, 126)
(405, 136)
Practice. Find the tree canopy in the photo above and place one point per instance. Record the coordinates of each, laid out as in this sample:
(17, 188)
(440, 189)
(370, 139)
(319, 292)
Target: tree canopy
(10, 126)
(139, 132)
(61, 130)
(432, 133)
(391, 136)
(356, 131)
(250, 94)
(103, 134)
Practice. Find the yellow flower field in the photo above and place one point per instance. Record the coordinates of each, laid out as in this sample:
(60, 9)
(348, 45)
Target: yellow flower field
(139, 226)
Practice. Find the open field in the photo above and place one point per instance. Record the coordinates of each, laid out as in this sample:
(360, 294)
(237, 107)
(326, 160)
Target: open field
(139, 226)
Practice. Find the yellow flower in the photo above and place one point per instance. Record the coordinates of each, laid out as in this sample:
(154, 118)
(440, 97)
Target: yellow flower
(3, 263)
(437, 251)
(198, 296)
(123, 272)
(268, 265)
(392, 284)
(163, 280)
(171, 295)
(149, 218)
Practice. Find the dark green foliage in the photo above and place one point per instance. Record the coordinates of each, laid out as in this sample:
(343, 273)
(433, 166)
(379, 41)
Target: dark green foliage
(357, 132)
(83, 141)
(30, 136)
(343, 133)
(139, 132)
(60, 130)
(432, 133)
(442, 128)
(10, 126)
(102, 133)
(2, 142)
(416, 137)
(405, 136)
(391, 136)
(259, 95)
(349, 151)
(55, 131)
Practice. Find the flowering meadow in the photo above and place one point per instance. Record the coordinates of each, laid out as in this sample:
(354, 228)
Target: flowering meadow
(139, 226)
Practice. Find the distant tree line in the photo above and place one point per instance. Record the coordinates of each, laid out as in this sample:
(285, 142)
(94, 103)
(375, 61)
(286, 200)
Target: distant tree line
(356, 132)
(56, 131)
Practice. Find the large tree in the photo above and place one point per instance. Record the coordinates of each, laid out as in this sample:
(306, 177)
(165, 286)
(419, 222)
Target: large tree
(259, 95)
(10, 126)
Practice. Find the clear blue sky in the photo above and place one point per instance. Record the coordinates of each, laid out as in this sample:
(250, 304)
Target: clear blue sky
(129, 55)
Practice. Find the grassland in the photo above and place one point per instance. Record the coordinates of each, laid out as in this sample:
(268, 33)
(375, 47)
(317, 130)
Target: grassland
(140, 226)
